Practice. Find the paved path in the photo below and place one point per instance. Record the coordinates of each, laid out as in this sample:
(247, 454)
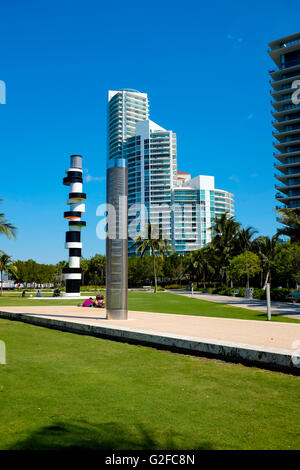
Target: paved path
(260, 333)
(272, 345)
(282, 308)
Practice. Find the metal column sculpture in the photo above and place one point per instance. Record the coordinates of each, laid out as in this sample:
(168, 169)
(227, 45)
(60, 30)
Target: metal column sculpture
(117, 240)
(72, 274)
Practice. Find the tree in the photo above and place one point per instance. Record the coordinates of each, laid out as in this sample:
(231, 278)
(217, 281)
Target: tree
(84, 264)
(6, 228)
(173, 268)
(291, 219)
(204, 263)
(6, 266)
(287, 262)
(59, 277)
(96, 269)
(265, 248)
(244, 238)
(246, 264)
(225, 235)
(151, 242)
(140, 270)
(31, 272)
(190, 266)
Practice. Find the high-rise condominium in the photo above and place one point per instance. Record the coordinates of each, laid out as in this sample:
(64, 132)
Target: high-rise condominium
(180, 208)
(151, 156)
(125, 108)
(196, 203)
(285, 52)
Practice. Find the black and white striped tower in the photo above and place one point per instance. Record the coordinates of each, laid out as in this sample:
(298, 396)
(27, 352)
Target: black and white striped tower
(72, 274)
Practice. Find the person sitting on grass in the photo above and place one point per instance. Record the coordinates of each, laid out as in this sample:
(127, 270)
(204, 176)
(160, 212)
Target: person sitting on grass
(56, 293)
(38, 294)
(99, 301)
(88, 303)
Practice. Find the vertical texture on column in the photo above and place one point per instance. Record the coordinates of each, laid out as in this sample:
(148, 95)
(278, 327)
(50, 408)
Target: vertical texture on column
(117, 244)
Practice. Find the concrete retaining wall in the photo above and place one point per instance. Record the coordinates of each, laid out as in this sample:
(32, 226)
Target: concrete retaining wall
(269, 358)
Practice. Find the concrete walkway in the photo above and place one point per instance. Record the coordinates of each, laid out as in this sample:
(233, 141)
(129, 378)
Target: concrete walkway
(271, 344)
(281, 308)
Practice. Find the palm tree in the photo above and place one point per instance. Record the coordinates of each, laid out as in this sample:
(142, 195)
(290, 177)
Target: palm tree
(151, 242)
(6, 228)
(190, 266)
(97, 266)
(84, 264)
(265, 248)
(6, 266)
(291, 219)
(225, 235)
(203, 262)
(244, 239)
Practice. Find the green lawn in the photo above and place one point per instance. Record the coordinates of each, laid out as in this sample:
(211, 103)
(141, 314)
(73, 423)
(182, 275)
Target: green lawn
(172, 303)
(162, 302)
(61, 391)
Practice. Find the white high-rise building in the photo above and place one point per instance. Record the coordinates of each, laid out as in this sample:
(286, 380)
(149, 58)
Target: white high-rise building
(152, 164)
(125, 108)
(180, 208)
(196, 203)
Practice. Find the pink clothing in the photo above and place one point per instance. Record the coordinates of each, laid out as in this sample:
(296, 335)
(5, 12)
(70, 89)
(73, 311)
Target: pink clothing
(87, 303)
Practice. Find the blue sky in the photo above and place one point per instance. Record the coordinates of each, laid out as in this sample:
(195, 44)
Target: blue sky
(204, 65)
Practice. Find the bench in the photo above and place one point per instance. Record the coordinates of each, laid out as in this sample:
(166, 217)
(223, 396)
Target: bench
(147, 287)
(294, 296)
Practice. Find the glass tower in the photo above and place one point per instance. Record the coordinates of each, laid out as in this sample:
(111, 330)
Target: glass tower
(196, 203)
(285, 53)
(179, 208)
(125, 108)
(152, 160)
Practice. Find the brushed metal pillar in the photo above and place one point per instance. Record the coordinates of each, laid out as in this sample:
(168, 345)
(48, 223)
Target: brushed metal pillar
(117, 240)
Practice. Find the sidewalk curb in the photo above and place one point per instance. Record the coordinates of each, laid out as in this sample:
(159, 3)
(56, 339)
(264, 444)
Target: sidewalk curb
(269, 358)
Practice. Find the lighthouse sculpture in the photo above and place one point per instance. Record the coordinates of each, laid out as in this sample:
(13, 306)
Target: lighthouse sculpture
(72, 273)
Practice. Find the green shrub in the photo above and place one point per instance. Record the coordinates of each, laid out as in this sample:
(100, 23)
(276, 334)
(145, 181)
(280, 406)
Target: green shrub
(259, 294)
(174, 286)
(226, 291)
(241, 292)
(280, 294)
(91, 288)
(160, 288)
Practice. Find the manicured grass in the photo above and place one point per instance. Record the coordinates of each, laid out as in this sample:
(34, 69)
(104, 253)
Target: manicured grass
(62, 391)
(162, 302)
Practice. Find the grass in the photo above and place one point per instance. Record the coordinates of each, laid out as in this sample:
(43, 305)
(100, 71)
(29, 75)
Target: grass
(65, 391)
(161, 302)
(164, 302)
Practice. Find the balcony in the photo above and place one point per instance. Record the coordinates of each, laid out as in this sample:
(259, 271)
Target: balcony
(281, 83)
(285, 189)
(284, 45)
(286, 176)
(276, 74)
(286, 199)
(289, 145)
